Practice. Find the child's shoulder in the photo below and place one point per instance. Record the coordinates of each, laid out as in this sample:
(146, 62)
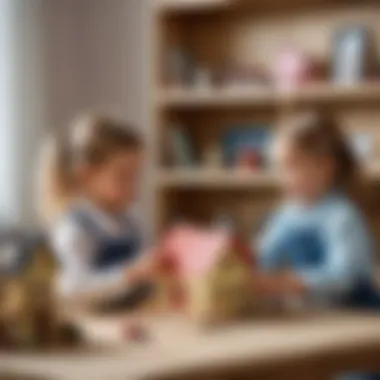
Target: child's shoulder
(68, 224)
(333, 209)
(283, 214)
(341, 204)
(341, 210)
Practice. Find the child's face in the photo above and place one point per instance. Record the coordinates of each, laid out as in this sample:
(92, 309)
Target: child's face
(304, 176)
(114, 182)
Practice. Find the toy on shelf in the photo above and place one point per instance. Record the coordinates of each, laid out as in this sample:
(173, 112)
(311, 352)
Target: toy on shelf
(354, 57)
(246, 146)
(249, 159)
(294, 68)
(242, 76)
(205, 273)
(181, 67)
(28, 310)
(181, 150)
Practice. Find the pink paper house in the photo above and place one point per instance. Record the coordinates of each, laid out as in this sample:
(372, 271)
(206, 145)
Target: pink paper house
(207, 272)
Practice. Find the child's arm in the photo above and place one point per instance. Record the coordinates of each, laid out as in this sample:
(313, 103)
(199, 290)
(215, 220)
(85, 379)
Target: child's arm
(270, 243)
(270, 279)
(142, 269)
(74, 249)
(348, 256)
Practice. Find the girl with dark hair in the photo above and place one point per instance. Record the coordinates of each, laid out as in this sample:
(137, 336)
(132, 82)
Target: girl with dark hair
(318, 243)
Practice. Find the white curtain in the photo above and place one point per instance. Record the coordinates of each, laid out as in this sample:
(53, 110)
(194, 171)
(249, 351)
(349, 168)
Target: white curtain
(23, 113)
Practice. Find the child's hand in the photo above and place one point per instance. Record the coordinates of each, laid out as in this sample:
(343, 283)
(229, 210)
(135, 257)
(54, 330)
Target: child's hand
(142, 271)
(292, 284)
(276, 285)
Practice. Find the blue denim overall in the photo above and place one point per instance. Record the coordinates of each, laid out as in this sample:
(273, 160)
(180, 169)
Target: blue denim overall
(114, 252)
(111, 251)
(304, 249)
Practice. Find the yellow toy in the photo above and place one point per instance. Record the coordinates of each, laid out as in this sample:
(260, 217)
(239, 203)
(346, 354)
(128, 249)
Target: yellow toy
(28, 306)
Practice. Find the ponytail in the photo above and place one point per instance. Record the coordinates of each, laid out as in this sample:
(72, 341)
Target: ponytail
(55, 180)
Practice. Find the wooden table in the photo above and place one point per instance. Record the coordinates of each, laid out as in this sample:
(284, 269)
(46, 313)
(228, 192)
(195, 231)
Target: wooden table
(312, 347)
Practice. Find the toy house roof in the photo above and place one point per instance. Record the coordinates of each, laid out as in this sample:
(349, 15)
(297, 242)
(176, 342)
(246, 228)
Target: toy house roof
(194, 251)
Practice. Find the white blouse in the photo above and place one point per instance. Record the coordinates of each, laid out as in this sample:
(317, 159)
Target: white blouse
(75, 248)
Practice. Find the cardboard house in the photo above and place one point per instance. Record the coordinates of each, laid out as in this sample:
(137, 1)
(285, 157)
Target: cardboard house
(28, 309)
(206, 273)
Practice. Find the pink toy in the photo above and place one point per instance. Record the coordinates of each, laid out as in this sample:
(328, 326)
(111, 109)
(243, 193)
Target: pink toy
(293, 68)
(204, 272)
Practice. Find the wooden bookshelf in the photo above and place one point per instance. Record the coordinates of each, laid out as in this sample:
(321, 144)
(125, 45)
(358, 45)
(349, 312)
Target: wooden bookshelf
(245, 31)
(189, 5)
(216, 178)
(186, 6)
(229, 178)
(261, 96)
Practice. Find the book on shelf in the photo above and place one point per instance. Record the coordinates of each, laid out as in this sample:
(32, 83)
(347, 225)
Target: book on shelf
(246, 145)
(182, 148)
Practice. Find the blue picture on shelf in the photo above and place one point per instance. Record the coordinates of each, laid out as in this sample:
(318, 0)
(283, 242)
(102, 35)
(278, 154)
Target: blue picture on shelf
(242, 141)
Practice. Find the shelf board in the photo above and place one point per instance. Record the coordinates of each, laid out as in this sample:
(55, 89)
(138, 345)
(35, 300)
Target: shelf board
(228, 179)
(185, 6)
(261, 96)
(190, 5)
(215, 178)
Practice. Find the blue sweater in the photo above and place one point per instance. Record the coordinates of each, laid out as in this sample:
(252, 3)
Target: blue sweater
(328, 245)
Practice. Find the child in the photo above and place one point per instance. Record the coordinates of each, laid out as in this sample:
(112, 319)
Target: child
(318, 244)
(90, 184)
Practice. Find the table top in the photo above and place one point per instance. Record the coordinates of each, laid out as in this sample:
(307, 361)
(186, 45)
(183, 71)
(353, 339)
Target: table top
(176, 347)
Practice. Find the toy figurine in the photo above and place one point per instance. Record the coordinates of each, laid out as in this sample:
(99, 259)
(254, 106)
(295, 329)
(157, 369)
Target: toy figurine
(28, 310)
(294, 68)
(206, 273)
(180, 67)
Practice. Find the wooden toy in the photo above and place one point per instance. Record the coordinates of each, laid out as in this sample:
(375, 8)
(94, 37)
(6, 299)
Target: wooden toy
(205, 273)
(28, 308)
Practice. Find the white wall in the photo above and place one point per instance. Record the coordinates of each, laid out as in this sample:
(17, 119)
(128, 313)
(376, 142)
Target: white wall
(64, 46)
(59, 58)
(23, 103)
(113, 56)
(115, 61)
(96, 58)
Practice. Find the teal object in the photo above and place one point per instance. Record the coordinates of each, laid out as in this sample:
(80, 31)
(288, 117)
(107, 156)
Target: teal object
(241, 138)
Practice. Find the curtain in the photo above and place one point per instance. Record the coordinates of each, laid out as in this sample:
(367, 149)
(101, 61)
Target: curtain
(23, 113)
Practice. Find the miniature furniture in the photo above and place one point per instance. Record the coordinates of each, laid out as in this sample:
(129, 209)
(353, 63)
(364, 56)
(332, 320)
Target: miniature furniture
(29, 314)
